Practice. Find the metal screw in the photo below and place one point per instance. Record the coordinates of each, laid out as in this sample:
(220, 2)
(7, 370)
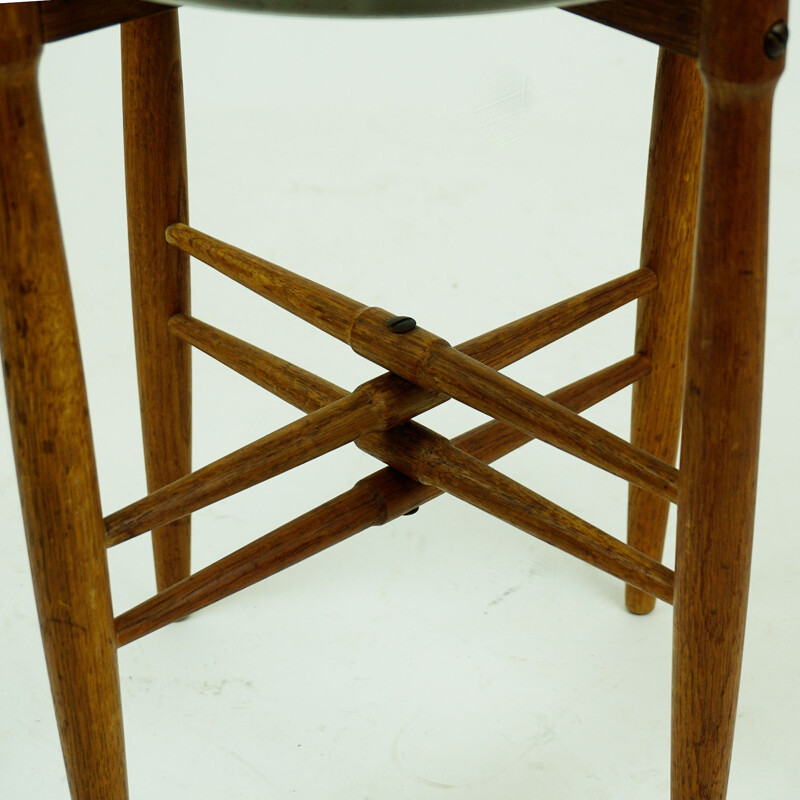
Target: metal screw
(413, 511)
(775, 40)
(401, 324)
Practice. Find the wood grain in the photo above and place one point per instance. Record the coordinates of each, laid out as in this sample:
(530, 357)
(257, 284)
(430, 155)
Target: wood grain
(721, 407)
(155, 177)
(427, 457)
(428, 361)
(379, 498)
(673, 182)
(64, 18)
(391, 399)
(278, 452)
(51, 434)
(719, 451)
(673, 24)
(497, 348)
(295, 385)
(453, 471)
(508, 343)
(331, 311)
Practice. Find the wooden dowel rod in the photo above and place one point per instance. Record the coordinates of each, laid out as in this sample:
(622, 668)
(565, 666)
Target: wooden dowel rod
(493, 439)
(333, 312)
(315, 434)
(381, 497)
(501, 397)
(395, 399)
(577, 396)
(429, 458)
(326, 525)
(309, 392)
(497, 348)
(385, 402)
(428, 361)
(291, 383)
(504, 345)
(283, 378)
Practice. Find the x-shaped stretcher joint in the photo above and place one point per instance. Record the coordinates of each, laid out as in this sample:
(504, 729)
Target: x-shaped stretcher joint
(424, 372)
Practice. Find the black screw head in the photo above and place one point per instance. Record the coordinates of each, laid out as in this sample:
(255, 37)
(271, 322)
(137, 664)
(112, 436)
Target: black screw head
(413, 511)
(401, 324)
(775, 40)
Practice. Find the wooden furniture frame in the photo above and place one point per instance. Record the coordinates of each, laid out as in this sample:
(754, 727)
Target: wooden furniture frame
(710, 212)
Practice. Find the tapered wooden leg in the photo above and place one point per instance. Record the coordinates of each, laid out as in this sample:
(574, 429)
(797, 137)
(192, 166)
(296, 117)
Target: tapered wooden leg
(673, 179)
(155, 170)
(722, 403)
(51, 434)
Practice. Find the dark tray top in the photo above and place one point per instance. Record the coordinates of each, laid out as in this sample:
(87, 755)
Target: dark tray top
(372, 8)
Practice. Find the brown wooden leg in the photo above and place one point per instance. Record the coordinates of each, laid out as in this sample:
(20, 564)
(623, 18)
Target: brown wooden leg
(673, 179)
(51, 433)
(723, 399)
(155, 170)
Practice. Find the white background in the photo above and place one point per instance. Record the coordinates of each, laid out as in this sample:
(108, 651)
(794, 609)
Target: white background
(466, 172)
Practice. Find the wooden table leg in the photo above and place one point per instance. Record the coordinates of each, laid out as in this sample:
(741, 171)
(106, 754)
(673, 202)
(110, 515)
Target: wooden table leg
(155, 172)
(673, 178)
(51, 433)
(722, 402)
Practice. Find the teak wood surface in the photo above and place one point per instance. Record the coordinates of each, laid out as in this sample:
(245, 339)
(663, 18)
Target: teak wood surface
(51, 435)
(673, 182)
(375, 500)
(155, 178)
(391, 401)
(673, 24)
(715, 488)
(428, 458)
(722, 401)
(427, 360)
